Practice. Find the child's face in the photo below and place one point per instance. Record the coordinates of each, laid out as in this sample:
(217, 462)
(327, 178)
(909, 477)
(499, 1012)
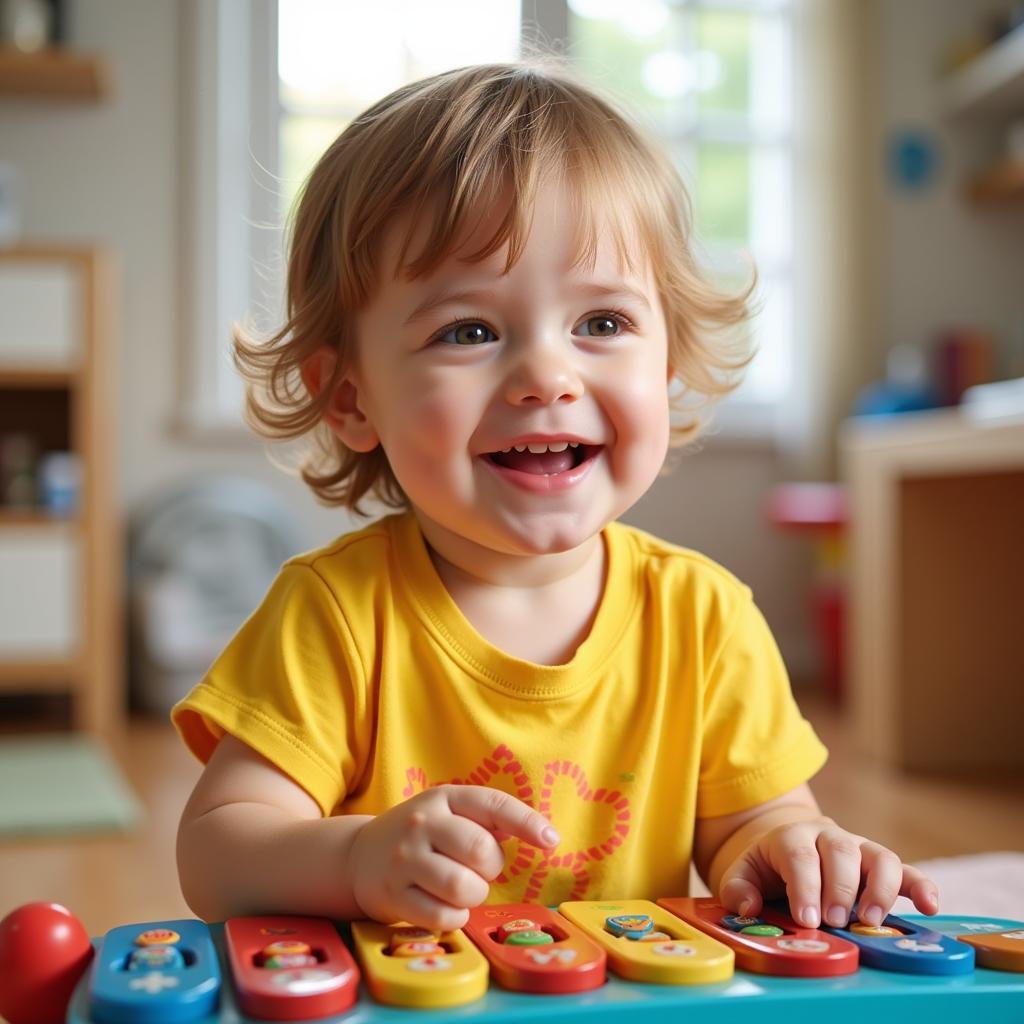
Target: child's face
(457, 370)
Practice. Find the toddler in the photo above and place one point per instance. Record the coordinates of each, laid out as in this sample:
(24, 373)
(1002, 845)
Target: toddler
(498, 692)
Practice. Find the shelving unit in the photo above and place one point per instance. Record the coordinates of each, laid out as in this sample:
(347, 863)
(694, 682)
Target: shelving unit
(53, 74)
(990, 89)
(60, 575)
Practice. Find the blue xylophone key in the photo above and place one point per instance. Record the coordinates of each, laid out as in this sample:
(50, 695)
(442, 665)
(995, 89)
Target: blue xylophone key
(163, 972)
(901, 945)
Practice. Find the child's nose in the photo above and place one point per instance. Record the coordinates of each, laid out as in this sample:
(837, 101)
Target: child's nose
(543, 374)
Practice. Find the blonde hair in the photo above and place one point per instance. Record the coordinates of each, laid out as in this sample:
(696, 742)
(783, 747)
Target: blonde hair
(450, 148)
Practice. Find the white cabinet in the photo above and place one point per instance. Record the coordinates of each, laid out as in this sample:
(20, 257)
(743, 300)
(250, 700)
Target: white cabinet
(42, 314)
(39, 580)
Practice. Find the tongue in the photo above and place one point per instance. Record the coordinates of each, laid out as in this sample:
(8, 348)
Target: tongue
(542, 464)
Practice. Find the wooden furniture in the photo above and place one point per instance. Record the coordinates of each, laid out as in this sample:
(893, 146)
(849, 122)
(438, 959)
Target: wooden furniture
(936, 600)
(60, 574)
(53, 74)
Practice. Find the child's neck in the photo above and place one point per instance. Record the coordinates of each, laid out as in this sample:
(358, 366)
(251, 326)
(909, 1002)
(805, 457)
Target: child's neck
(537, 608)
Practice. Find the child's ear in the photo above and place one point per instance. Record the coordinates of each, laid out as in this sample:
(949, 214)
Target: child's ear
(343, 413)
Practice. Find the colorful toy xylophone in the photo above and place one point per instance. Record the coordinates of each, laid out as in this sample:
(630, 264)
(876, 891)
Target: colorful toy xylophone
(680, 955)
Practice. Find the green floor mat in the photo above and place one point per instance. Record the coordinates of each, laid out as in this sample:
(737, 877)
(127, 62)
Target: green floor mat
(57, 784)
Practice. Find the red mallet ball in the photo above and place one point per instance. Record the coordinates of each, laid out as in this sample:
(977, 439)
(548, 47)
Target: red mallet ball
(43, 951)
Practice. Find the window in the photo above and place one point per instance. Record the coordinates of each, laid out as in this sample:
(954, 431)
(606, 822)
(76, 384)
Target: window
(335, 59)
(710, 77)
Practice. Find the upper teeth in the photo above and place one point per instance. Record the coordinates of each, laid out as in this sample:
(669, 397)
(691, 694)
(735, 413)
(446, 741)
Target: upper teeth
(549, 446)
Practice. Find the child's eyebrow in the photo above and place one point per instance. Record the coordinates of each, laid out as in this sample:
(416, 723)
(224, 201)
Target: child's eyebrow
(615, 291)
(443, 297)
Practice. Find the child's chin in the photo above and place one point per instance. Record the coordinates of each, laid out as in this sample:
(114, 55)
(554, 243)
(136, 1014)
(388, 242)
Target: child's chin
(554, 538)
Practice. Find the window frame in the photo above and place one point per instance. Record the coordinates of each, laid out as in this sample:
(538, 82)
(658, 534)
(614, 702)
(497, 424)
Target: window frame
(229, 164)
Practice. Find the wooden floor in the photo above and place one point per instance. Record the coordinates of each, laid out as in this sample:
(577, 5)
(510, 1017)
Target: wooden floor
(111, 880)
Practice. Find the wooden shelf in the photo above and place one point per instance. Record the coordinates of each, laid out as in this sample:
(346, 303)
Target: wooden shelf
(35, 377)
(1003, 183)
(34, 517)
(43, 676)
(52, 74)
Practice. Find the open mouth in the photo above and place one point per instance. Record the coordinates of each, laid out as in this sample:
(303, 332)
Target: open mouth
(545, 459)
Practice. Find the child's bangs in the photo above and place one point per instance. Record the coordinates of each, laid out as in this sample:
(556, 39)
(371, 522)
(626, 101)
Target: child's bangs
(606, 204)
(612, 205)
(476, 181)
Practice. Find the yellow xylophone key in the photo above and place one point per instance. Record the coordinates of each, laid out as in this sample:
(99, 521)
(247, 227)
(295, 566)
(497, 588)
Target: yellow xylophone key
(685, 956)
(457, 975)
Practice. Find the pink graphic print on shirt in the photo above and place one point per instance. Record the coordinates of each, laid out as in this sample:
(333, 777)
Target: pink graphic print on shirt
(503, 765)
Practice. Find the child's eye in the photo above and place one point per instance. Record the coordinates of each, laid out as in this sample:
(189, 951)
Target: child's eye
(603, 325)
(469, 332)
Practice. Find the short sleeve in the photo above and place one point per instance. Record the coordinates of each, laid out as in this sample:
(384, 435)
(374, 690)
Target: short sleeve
(289, 686)
(755, 743)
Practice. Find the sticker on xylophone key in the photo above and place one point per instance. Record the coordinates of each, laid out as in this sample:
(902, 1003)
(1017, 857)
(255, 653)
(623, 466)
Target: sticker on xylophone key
(151, 958)
(529, 937)
(736, 923)
(632, 926)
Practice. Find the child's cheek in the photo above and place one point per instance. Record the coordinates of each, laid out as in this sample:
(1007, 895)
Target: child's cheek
(639, 413)
(431, 420)
(640, 406)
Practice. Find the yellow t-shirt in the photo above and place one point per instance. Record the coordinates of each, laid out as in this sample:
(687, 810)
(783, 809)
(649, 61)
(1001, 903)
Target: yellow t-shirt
(360, 679)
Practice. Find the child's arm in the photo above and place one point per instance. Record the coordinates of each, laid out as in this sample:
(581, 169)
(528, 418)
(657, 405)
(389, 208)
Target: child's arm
(786, 847)
(252, 841)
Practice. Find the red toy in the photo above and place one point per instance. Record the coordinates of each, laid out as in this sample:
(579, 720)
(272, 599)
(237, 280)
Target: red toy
(771, 943)
(44, 950)
(533, 949)
(290, 968)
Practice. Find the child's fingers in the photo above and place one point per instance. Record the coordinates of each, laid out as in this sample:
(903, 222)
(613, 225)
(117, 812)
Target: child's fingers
(499, 812)
(423, 910)
(883, 879)
(470, 844)
(449, 881)
(795, 857)
(740, 889)
(840, 854)
(921, 889)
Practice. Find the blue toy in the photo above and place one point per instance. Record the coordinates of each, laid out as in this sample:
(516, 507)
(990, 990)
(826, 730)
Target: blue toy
(158, 973)
(900, 945)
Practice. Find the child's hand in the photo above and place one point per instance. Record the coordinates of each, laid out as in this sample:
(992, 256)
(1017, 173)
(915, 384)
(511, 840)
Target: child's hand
(822, 868)
(429, 859)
